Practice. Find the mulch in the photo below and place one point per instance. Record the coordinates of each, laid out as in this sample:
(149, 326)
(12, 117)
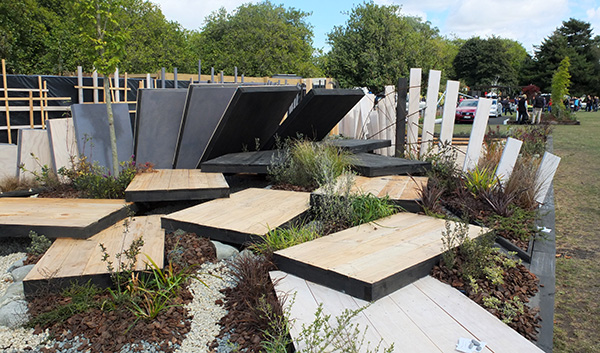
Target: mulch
(518, 281)
(108, 330)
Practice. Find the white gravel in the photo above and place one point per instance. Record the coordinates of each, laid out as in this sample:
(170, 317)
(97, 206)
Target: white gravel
(203, 308)
(5, 263)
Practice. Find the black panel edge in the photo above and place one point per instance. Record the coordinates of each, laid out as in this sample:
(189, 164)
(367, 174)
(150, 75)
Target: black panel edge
(176, 195)
(222, 235)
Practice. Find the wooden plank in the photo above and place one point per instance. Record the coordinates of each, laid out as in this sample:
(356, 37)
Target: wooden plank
(412, 125)
(371, 260)
(76, 218)
(373, 165)
(176, 184)
(8, 160)
(6, 107)
(433, 89)
(34, 152)
(449, 114)
(480, 124)
(243, 216)
(508, 159)
(70, 260)
(478, 321)
(545, 174)
(63, 143)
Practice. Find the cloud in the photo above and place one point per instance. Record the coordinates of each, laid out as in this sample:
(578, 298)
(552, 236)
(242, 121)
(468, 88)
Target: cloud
(192, 13)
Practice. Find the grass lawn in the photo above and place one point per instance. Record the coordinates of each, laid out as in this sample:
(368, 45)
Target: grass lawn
(577, 191)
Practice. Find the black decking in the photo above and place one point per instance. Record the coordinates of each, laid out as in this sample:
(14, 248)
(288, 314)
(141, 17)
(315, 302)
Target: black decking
(372, 165)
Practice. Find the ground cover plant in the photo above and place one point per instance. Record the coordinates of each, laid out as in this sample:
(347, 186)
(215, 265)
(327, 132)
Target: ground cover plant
(577, 200)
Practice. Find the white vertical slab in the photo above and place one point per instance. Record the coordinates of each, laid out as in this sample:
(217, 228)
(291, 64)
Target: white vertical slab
(449, 114)
(477, 133)
(366, 106)
(545, 174)
(412, 120)
(8, 160)
(95, 85)
(63, 143)
(433, 89)
(116, 85)
(34, 151)
(508, 159)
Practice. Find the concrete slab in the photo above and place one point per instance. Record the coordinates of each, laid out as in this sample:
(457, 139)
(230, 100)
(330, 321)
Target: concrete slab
(8, 160)
(33, 151)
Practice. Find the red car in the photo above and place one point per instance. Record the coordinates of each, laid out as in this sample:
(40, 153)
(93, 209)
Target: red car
(465, 112)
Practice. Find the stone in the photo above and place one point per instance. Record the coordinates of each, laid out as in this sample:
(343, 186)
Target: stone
(14, 314)
(20, 273)
(16, 264)
(13, 292)
(225, 251)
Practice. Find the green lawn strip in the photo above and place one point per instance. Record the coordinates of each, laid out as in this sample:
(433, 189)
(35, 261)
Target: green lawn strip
(577, 194)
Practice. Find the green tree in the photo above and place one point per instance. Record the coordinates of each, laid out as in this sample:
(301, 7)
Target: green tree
(378, 44)
(489, 62)
(104, 40)
(260, 39)
(573, 39)
(560, 87)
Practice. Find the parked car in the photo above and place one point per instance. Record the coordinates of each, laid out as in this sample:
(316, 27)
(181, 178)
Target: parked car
(465, 112)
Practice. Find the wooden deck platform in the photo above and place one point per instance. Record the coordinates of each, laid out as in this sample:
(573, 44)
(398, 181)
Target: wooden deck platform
(401, 189)
(257, 162)
(242, 217)
(373, 165)
(80, 260)
(175, 185)
(372, 260)
(59, 218)
(360, 146)
(426, 316)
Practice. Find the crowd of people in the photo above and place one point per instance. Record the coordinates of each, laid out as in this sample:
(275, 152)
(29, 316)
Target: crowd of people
(543, 103)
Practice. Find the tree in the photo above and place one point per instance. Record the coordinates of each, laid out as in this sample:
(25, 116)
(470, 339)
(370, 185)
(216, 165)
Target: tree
(560, 87)
(260, 39)
(377, 45)
(105, 40)
(572, 39)
(489, 62)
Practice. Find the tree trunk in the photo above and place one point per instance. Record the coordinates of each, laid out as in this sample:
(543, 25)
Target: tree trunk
(111, 128)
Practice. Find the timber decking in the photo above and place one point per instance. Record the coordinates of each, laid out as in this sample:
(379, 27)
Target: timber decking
(373, 165)
(401, 189)
(360, 146)
(243, 217)
(80, 260)
(176, 184)
(371, 260)
(426, 316)
(57, 218)
(243, 162)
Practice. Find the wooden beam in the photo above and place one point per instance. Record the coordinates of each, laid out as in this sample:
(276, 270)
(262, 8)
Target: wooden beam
(401, 89)
(6, 100)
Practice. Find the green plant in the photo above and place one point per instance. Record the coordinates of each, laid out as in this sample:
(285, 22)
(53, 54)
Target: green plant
(39, 243)
(126, 261)
(12, 183)
(520, 224)
(81, 299)
(452, 239)
(367, 208)
(522, 183)
(281, 238)
(480, 180)
(277, 335)
(533, 137)
(338, 335)
(561, 80)
(309, 164)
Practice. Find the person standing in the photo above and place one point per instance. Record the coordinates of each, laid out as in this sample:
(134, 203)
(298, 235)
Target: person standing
(522, 109)
(538, 106)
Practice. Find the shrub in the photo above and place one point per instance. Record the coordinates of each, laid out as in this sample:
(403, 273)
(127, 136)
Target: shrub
(533, 137)
(39, 244)
(281, 238)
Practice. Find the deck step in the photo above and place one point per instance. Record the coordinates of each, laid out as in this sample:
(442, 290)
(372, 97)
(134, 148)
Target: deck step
(59, 218)
(176, 185)
(80, 260)
(372, 260)
(241, 218)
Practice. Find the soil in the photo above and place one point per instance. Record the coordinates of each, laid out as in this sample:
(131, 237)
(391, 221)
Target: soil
(291, 187)
(62, 191)
(109, 330)
(518, 281)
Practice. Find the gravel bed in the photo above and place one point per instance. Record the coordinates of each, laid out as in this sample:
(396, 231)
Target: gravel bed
(5, 263)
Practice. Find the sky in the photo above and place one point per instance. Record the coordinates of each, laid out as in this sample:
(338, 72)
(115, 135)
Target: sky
(526, 21)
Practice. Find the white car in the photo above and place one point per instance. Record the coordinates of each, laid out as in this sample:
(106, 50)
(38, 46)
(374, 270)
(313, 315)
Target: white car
(496, 109)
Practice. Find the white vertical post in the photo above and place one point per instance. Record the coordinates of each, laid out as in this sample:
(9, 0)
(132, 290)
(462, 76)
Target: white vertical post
(433, 89)
(95, 85)
(480, 123)
(148, 81)
(508, 159)
(116, 81)
(163, 73)
(449, 112)
(212, 75)
(222, 77)
(412, 120)
(175, 77)
(545, 174)
(199, 71)
(80, 84)
(235, 74)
